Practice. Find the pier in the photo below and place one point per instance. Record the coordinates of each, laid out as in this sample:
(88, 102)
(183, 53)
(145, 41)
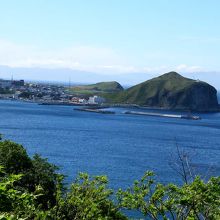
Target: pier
(94, 110)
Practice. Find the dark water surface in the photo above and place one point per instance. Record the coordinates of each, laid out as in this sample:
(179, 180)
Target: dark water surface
(120, 146)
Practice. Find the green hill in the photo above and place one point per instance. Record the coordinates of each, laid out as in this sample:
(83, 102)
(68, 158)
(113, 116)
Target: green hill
(101, 87)
(171, 91)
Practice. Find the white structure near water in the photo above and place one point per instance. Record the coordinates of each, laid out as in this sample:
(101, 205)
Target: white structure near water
(96, 100)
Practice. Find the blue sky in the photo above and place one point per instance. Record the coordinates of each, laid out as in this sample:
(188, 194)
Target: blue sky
(111, 36)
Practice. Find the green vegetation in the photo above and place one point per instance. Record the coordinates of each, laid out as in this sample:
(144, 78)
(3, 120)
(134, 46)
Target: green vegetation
(195, 200)
(97, 89)
(32, 189)
(35, 172)
(25, 95)
(170, 90)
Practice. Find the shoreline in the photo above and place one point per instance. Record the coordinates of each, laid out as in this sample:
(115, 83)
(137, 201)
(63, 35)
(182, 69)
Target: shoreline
(109, 105)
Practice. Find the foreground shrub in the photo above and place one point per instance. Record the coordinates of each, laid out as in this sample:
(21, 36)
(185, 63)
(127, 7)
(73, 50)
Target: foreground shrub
(14, 158)
(195, 200)
(14, 203)
(31, 189)
(35, 172)
(89, 198)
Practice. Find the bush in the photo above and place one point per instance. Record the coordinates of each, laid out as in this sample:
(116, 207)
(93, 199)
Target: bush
(14, 158)
(35, 172)
(31, 189)
(14, 203)
(89, 198)
(195, 200)
(44, 174)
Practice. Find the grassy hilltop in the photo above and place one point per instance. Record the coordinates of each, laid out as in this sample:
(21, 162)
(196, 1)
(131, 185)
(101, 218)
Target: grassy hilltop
(98, 88)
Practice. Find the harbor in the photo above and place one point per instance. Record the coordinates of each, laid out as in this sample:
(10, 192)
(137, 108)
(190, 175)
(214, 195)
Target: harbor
(188, 116)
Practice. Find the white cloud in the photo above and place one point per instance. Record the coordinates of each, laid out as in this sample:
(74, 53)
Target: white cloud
(189, 69)
(78, 57)
(86, 58)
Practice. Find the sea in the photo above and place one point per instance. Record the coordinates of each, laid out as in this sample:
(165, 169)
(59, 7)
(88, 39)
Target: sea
(118, 145)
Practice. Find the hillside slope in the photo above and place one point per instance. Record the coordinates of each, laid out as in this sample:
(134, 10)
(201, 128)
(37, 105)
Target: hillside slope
(172, 91)
(101, 87)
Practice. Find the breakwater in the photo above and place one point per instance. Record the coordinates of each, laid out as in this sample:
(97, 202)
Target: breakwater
(94, 110)
(98, 110)
(189, 116)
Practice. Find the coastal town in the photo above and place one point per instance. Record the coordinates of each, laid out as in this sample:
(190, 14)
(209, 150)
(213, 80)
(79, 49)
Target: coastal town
(51, 94)
(44, 93)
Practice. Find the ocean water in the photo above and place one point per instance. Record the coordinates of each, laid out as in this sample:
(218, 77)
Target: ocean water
(120, 146)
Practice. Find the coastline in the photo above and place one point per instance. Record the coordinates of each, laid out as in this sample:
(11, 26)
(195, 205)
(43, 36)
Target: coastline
(113, 105)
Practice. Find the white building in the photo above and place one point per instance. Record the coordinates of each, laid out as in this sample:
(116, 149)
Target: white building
(96, 100)
(82, 101)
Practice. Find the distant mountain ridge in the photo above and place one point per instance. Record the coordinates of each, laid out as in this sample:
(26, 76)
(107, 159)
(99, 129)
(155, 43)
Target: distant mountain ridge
(64, 75)
(171, 91)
